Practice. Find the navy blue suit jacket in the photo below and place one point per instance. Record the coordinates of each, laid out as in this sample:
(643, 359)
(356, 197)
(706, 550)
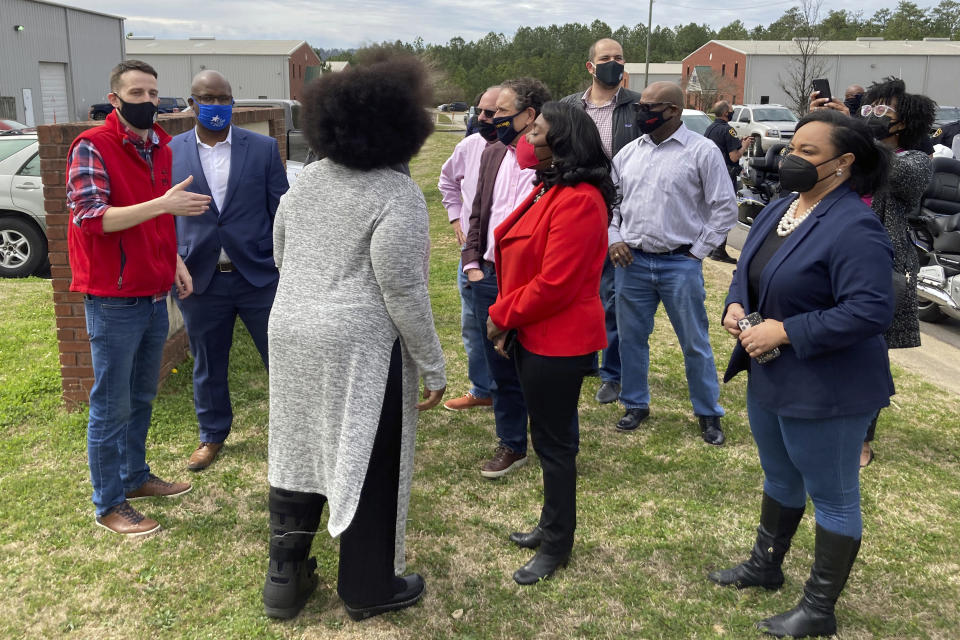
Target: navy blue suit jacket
(831, 285)
(245, 225)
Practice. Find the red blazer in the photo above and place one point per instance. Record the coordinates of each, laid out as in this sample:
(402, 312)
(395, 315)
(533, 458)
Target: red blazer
(549, 258)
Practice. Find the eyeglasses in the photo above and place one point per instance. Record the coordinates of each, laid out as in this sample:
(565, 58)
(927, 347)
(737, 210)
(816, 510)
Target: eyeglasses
(878, 110)
(638, 106)
(213, 99)
(487, 112)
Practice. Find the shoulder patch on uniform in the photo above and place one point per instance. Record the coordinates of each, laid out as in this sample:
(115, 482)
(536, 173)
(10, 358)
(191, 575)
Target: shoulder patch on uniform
(937, 133)
(732, 132)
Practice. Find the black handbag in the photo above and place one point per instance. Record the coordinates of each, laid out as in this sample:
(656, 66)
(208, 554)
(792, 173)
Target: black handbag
(900, 283)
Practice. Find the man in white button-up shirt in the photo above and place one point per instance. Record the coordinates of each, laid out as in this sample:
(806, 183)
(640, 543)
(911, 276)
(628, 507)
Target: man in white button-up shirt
(228, 250)
(677, 206)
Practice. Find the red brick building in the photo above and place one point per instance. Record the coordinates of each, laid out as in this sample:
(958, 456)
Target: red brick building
(724, 81)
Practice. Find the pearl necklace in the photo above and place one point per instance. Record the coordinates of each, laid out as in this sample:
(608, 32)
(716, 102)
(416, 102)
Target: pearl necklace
(791, 220)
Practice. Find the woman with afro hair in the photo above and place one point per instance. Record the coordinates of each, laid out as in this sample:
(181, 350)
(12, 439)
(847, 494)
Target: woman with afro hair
(351, 333)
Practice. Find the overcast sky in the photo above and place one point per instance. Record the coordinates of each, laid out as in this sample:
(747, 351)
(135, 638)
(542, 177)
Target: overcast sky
(354, 23)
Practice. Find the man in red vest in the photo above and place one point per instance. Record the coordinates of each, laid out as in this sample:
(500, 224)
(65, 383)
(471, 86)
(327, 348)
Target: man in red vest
(123, 256)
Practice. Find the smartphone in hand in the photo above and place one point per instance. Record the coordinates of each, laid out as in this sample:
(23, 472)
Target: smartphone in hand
(822, 85)
(752, 320)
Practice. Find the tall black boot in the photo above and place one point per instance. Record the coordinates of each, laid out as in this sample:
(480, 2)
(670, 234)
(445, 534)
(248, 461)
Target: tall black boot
(814, 615)
(291, 577)
(777, 526)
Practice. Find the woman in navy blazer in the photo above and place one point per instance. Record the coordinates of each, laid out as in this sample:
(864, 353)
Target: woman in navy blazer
(817, 267)
(550, 254)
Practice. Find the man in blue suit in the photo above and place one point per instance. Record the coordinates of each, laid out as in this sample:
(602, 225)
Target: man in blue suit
(228, 251)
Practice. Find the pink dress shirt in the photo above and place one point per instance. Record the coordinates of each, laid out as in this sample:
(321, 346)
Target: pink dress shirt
(458, 179)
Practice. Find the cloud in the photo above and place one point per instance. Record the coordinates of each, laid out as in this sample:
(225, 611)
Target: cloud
(359, 22)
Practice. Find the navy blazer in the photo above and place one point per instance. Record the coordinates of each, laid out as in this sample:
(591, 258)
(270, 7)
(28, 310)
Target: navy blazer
(831, 285)
(245, 225)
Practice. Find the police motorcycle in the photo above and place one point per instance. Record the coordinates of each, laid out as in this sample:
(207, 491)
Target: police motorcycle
(760, 183)
(936, 234)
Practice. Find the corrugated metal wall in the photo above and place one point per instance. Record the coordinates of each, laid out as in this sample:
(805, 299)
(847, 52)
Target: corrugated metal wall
(89, 45)
(250, 76)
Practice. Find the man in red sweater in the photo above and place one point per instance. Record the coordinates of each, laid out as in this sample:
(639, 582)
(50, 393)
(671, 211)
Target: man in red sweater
(123, 257)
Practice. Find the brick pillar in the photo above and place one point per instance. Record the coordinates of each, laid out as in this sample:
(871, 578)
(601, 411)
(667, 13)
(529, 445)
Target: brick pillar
(76, 371)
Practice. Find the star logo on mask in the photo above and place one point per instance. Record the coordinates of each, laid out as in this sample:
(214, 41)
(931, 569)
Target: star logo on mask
(216, 121)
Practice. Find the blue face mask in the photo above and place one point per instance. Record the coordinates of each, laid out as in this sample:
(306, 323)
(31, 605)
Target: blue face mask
(215, 117)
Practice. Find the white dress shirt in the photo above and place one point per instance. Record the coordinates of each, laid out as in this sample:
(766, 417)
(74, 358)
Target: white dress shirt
(674, 193)
(215, 161)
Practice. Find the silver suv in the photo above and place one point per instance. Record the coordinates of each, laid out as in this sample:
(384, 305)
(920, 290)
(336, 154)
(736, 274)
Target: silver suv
(769, 124)
(23, 240)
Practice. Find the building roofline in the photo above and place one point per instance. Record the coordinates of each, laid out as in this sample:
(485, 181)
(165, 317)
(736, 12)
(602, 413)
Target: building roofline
(80, 9)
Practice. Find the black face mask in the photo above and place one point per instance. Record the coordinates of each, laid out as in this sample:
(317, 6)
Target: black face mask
(853, 103)
(609, 73)
(649, 121)
(504, 127)
(730, 116)
(797, 174)
(879, 127)
(487, 130)
(140, 115)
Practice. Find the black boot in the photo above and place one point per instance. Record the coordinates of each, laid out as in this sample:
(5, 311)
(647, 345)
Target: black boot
(294, 518)
(529, 540)
(832, 560)
(777, 526)
(541, 566)
(720, 255)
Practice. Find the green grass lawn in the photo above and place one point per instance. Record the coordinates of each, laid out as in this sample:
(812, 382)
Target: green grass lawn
(657, 509)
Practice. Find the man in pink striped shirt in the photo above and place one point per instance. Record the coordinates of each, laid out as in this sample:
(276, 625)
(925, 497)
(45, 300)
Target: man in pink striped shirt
(458, 185)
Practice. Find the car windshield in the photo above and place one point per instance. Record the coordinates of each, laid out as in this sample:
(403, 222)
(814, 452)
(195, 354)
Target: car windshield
(947, 114)
(9, 146)
(696, 122)
(774, 115)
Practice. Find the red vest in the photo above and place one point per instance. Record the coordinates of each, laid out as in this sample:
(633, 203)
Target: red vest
(141, 260)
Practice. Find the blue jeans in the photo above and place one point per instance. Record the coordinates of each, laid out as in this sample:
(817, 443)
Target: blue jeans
(820, 457)
(610, 369)
(677, 281)
(509, 409)
(477, 371)
(126, 346)
(210, 318)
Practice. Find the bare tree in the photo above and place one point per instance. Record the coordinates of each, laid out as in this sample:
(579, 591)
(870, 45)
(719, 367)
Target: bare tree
(806, 64)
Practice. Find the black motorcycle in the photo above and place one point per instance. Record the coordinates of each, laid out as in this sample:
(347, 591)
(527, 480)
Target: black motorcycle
(760, 182)
(936, 234)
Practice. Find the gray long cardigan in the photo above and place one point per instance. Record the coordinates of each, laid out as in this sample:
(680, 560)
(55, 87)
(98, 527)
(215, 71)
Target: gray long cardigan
(353, 250)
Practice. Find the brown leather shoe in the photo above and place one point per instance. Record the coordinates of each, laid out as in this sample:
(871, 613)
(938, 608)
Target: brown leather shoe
(127, 521)
(204, 456)
(154, 487)
(467, 401)
(503, 462)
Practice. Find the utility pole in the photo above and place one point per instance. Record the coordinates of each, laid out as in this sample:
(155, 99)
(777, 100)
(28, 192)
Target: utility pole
(646, 69)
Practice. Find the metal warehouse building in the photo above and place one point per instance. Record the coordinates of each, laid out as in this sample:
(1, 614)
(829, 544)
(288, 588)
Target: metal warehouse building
(749, 70)
(55, 60)
(255, 68)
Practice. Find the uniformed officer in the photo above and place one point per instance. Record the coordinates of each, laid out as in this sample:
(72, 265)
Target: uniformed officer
(732, 148)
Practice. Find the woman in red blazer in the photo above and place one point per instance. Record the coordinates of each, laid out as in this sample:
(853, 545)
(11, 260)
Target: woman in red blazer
(550, 254)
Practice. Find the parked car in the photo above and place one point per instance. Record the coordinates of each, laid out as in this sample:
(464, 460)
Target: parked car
(167, 105)
(23, 240)
(769, 124)
(453, 106)
(695, 120)
(946, 115)
(13, 125)
(297, 147)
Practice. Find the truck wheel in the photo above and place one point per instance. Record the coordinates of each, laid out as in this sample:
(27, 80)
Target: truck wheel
(22, 248)
(929, 311)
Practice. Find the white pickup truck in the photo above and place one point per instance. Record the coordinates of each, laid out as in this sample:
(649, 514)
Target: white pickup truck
(769, 124)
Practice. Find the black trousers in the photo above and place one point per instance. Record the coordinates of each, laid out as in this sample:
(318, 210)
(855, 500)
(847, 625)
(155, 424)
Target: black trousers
(551, 390)
(367, 546)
